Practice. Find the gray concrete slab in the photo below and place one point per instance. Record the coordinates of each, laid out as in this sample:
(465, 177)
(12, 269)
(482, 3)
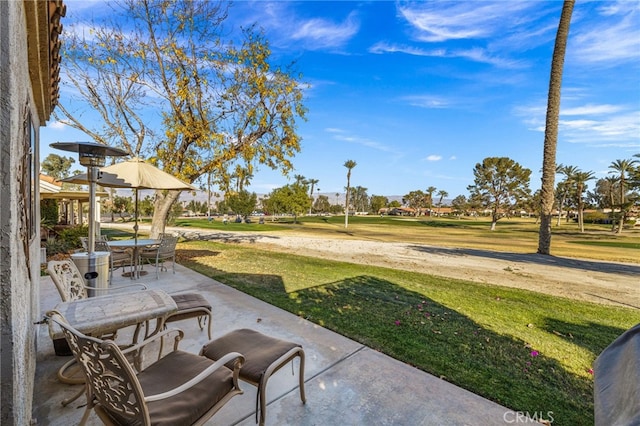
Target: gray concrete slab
(346, 382)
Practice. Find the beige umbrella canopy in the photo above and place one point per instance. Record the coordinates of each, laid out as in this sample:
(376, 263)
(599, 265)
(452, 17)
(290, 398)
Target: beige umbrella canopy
(134, 173)
(141, 175)
(137, 174)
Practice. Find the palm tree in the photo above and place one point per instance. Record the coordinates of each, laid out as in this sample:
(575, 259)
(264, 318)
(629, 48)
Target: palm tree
(623, 167)
(313, 183)
(564, 186)
(349, 164)
(300, 180)
(430, 190)
(580, 179)
(551, 129)
(442, 193)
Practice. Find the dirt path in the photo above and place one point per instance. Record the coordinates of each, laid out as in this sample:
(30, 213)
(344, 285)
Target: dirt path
(600, 282)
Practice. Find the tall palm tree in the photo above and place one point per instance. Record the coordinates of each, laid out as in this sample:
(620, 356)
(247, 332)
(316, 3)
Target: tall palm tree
(349, 164)
(580, 179)
(564, 187)
(551, 129)
(312, 182)
(623, 167)
(442, 193)
(430, 190)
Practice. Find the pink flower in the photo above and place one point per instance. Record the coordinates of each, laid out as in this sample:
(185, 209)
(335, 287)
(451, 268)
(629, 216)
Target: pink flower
(534, 353)
(397, 322)
(590, 371)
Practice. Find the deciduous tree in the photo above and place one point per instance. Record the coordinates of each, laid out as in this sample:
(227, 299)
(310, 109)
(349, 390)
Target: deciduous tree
(292, 199)
(221, 104)
(417, 200)
(57, 166)
(378, 202)
(499, 182)
(242, 203)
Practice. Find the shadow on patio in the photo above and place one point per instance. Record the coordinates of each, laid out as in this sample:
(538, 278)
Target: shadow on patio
(346, 383)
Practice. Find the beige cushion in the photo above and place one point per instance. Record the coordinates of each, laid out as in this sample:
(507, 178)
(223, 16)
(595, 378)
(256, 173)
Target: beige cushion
(188, 301)
(259, 351)
(173, 370)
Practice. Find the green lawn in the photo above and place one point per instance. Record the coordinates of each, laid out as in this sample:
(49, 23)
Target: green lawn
(524, 350)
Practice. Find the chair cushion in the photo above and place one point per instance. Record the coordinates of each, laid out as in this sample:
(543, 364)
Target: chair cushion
(259, 351)
(188, 301)
(173, 370)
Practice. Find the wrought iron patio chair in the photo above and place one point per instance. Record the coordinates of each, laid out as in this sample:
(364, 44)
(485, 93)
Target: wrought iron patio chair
(117, 258)
(165, 250)
(179, 388)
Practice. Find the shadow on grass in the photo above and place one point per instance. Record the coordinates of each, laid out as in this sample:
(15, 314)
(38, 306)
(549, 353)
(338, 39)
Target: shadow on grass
(585, 265)
(413, 328)
(592, 336)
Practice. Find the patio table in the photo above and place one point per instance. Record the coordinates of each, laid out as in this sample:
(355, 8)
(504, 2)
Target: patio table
(101, 315)
(136, 244)
(104, 314)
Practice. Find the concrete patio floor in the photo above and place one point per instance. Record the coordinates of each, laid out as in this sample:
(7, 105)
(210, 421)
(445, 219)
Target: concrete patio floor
(346, 383)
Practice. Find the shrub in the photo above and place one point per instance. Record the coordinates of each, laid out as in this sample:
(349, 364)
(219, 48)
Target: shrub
(49, 211)
(71, 236)
(596, 217)
(55, 247)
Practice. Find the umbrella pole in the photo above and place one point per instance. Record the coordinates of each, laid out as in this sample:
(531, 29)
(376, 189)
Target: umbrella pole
(135, 226)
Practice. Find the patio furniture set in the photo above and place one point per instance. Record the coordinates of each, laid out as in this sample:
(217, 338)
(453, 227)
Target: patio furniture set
(176, 388)
(134, 253)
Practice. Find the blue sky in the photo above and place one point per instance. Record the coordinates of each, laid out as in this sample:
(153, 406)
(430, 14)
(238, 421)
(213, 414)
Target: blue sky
(417, 93)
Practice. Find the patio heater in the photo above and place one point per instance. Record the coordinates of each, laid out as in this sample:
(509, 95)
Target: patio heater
(91, 155)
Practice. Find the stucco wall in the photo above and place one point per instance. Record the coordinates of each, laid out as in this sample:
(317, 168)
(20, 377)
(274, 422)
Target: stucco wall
(19, 251)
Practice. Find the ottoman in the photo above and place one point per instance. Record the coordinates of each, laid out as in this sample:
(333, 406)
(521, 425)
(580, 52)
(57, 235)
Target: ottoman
(263, 356)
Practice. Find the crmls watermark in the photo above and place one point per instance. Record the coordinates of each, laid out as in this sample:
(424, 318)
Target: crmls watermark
(525, 417)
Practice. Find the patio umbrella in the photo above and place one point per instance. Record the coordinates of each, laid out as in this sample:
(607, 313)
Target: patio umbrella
(136, 174)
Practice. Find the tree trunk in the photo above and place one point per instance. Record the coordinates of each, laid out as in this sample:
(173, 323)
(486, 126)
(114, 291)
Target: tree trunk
(560, 206)
(621, 223)
(581, 217)
(346, 208)
(551, 129)
(162, 208)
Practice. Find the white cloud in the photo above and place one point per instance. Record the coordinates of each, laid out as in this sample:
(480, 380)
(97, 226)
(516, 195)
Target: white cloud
(434, 157)
(320, 33)
(476, 54)
(57, 125)
(438, 21)
(428, 101)
(591, 109)
(591, 124)
(610, 39)
(344, 136)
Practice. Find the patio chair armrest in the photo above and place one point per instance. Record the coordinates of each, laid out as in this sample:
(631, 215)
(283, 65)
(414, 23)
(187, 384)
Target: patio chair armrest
(159, 335)
(237, 359)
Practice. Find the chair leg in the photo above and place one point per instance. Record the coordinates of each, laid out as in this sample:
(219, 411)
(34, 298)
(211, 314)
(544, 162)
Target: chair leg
(303, 397)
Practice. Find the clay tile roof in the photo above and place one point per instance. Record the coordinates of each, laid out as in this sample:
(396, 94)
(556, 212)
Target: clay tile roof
(44, 29)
